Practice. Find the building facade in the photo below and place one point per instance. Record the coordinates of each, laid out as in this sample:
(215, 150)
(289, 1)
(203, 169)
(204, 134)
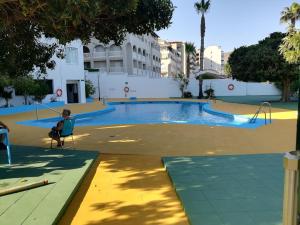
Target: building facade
(214, 59)
(137, 56)
(66, 82)
(171, 59)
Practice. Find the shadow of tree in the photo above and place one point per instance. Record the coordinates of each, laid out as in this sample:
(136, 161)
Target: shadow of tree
(127, 190)
(35, 161)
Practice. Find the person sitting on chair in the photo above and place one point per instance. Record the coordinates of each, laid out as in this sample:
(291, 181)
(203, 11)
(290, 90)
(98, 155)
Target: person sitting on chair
(2, 136)
(56, 131)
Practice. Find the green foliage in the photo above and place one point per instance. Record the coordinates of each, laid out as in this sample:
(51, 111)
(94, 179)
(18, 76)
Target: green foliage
(104, 19)
(25, 86)
(187, 94)
(227, 69)
(89, 88)
(5, 90)
(290, 47)
(210, 93)
(263, 62)
(23, 22)
(290, 15)
(40, 90)
(183, 83)
(21, 51)
(190, 49)
(202, 6)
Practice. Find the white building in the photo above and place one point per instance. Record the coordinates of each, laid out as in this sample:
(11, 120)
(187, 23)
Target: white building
(67, 78)
(180, 47)
(171, 60)
(137, 56)
(214, 59)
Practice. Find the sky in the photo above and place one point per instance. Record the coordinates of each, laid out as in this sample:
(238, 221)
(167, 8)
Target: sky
(229, 23)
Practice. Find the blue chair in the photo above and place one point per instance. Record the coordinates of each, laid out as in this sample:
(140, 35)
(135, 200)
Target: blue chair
(67, 131)
(6, 142)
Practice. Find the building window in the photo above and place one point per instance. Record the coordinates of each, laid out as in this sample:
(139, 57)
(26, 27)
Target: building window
(87, 65)
(71, 55)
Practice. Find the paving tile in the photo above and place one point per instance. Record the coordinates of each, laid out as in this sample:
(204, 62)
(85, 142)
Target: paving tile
(205, 219)
(239, 190)
(241, 218)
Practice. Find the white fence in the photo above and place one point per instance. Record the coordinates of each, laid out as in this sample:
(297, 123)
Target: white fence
(222, 88)
(112, 86)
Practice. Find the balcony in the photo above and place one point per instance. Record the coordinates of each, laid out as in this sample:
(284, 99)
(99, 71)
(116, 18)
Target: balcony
(116, 69)
(115, 54)
(98, 55)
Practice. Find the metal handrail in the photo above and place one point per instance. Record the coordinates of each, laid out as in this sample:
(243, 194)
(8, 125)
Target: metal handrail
(261, 108)
(47, 107)
(104, 100)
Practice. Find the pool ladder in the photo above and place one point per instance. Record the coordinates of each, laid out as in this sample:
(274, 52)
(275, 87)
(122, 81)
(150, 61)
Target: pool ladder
(104, 100)
(262, 109)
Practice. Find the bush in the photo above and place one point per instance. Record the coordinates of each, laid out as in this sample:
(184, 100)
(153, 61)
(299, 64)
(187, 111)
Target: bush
(89, 88)
(210, 93)
(187, 94)
(40, 90)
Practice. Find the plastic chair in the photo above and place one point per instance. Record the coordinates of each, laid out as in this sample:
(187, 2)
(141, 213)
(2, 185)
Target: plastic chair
(6, 142)
(67, 131)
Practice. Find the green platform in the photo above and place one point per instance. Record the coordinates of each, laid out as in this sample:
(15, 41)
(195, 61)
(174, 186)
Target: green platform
(229, 190)
(64, 169)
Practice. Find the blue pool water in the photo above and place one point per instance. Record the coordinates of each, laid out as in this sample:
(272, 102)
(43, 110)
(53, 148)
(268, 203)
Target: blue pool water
(154, 113)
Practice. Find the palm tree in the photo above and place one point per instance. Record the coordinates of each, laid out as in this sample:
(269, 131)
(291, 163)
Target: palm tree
(190, 50)
(290, 50)
(290, 15)
(201, 8)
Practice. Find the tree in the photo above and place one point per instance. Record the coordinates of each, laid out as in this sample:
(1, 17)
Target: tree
(23, 22)
(263, 62)
(25, 86)
(89, 88)
(5, 89)
(183, 83)
(40, 90)
(201, 8)
(290, 15)
(190, 50)
(227, 70)
(290, 47)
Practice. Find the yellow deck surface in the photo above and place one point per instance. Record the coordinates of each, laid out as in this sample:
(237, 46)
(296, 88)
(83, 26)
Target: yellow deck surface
(128, 185)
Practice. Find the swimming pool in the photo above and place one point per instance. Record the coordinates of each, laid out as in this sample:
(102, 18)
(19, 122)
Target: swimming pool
(156, 112)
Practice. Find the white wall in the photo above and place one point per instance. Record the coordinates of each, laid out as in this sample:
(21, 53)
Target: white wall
(62, 74)
(65, 72)
(112, 86)
(240, 88)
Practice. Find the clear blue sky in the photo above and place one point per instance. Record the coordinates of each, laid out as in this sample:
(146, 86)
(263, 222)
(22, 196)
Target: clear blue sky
(229, 23)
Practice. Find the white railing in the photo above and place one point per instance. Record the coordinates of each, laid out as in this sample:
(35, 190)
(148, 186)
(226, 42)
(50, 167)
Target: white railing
(99, 54)
(116, 69)
(115, 53)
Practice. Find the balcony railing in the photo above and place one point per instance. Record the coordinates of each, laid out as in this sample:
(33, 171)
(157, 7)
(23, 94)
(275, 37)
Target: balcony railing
(99, 55)
(116, 69)
(115, 53)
